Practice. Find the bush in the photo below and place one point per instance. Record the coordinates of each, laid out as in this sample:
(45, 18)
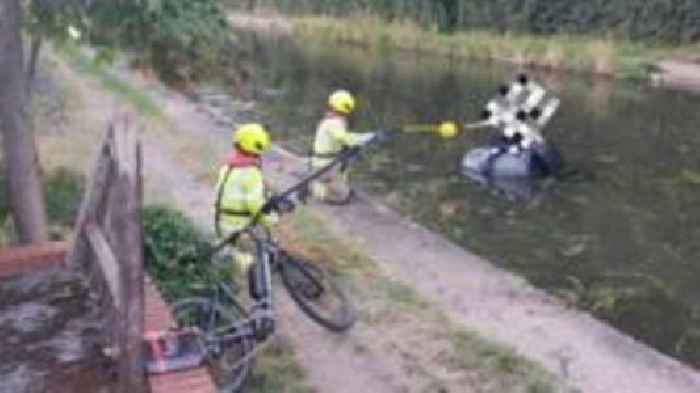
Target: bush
(174, 250)
(181, 40)
(64, 190)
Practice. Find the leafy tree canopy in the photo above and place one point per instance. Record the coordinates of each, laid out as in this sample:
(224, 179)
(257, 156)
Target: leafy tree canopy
(180, 39)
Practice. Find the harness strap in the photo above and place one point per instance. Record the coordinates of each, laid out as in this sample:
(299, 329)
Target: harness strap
(236, 213)
(217, 205)
(327, 156)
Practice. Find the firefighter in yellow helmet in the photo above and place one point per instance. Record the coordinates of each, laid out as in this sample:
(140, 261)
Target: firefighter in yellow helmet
(240, 191)
(332, 136)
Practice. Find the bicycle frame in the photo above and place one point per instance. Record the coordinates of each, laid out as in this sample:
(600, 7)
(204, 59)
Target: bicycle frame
(251, 334)
(260, 317)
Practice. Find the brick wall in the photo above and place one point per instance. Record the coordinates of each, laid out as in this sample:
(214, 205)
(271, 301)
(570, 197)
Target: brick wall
(20, 260)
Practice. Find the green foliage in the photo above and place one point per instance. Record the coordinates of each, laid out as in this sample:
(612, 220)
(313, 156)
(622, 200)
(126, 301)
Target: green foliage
(179, 39)
(675, 21)
(64, 190)
(174, 248)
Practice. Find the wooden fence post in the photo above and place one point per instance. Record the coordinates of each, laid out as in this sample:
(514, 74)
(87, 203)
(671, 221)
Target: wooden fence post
(127, 232)
(94, 203)
(108, 246)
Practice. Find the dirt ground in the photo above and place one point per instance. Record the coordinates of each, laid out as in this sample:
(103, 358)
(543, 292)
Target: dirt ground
(50, 329)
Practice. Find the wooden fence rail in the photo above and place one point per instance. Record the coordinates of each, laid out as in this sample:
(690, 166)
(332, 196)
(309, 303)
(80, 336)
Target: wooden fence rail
(108, 247)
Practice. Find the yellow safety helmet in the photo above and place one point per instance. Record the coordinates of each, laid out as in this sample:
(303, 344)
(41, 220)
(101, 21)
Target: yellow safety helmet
(252, 138)
(342, 101)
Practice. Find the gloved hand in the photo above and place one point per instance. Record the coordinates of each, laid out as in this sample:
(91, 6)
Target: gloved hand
(278, 204)
(365, 137)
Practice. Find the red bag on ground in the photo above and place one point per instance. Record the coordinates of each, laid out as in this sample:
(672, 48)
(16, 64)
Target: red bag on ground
(173, 350)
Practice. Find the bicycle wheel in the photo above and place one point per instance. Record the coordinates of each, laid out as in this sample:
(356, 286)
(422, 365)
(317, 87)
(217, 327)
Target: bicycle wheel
(317, 294)
(214, 319)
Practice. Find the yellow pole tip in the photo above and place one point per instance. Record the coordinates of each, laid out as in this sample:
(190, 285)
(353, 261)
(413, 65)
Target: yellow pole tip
(447, 129)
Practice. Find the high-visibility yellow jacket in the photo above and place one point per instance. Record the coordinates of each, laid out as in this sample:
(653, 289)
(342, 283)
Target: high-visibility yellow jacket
(240, 194)
(331, 136)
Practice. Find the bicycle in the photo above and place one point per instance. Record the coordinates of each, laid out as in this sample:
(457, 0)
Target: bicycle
(231, 335)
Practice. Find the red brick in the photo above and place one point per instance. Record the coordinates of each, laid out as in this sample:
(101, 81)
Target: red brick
(19, 260)
(159, 317)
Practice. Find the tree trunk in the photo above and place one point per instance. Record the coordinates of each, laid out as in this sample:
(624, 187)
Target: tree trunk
(26, 197)
(31, 67)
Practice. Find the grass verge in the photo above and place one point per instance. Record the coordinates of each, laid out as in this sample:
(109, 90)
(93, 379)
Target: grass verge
(575, 53)
(200, 159)
(94, 68)
(277, 371)
(428, 340)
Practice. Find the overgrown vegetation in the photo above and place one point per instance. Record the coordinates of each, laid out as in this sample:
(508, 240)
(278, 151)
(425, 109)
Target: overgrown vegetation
(579, 54)
(672, 21)
(182, 40)
(64, 190)
(174, 252)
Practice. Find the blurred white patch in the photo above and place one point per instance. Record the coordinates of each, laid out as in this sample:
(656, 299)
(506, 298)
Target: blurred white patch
(74, 33)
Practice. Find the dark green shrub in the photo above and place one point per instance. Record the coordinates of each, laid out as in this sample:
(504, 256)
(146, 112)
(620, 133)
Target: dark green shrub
(181, 40)
(64, 190)
(174, 250)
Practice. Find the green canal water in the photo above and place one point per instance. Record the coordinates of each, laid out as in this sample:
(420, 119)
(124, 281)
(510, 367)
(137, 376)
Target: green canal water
(620, 237)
